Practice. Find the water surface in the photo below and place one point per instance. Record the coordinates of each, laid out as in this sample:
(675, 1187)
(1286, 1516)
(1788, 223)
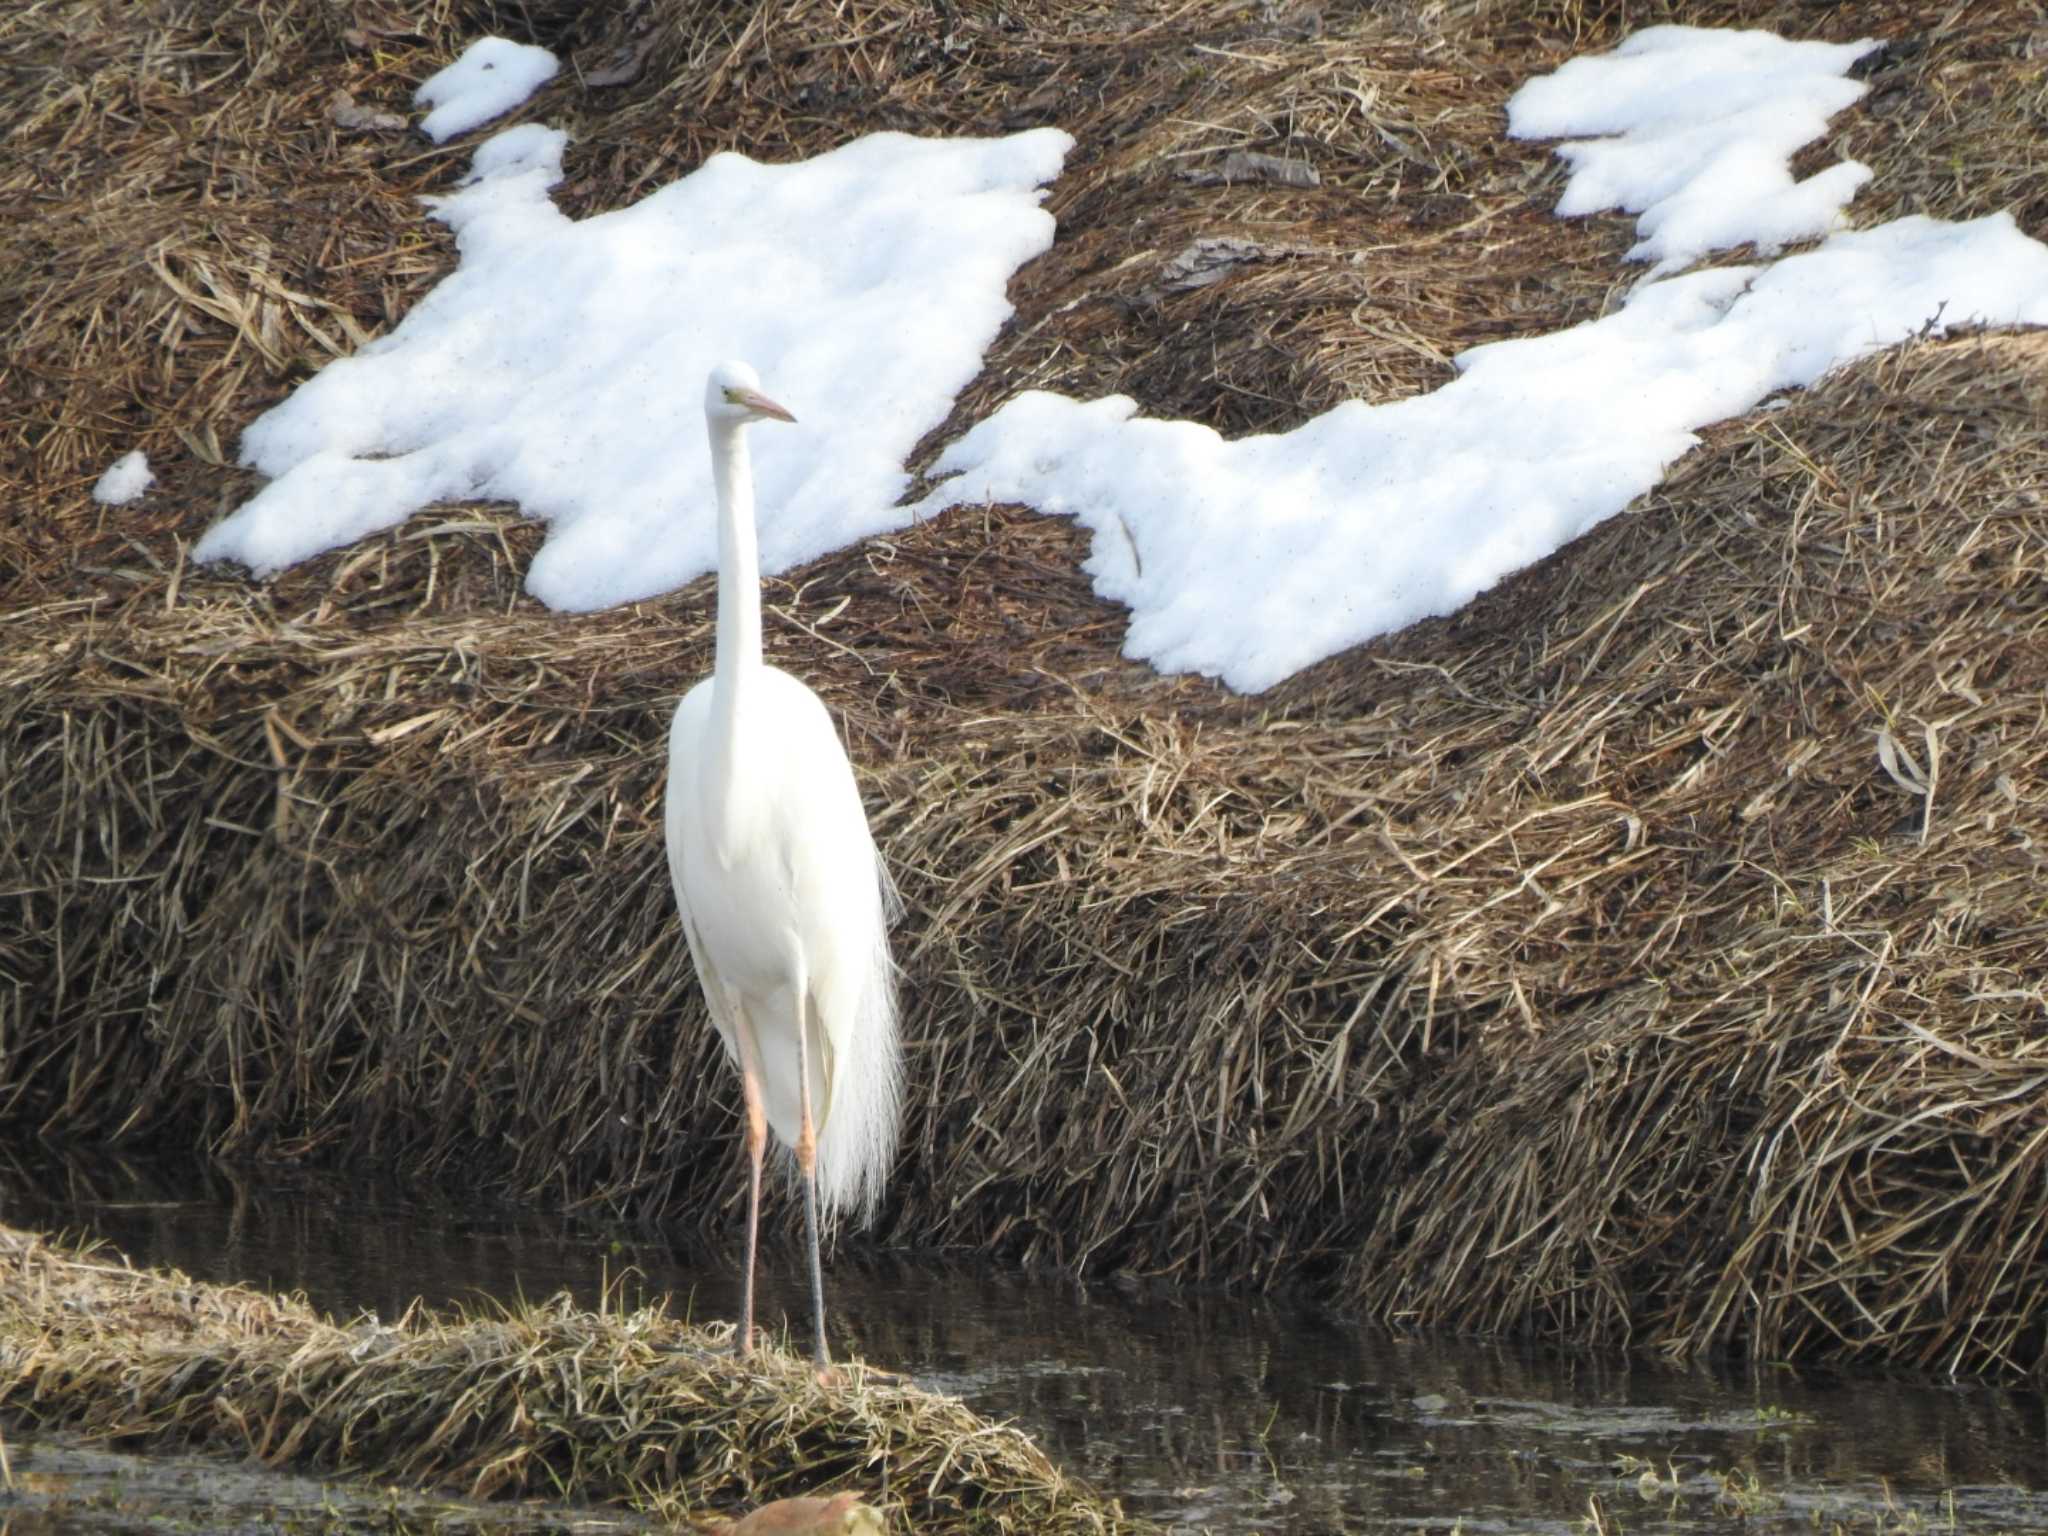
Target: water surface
(1225, 1414)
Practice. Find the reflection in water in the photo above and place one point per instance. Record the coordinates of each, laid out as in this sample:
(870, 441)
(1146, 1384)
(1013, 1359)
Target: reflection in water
(1232, 1414)
(64, 1486)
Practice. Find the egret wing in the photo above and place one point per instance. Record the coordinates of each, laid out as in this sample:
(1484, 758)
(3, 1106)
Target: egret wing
(715, 992)
(684, 731)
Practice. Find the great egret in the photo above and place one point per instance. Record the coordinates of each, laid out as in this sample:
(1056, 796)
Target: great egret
(783, 896)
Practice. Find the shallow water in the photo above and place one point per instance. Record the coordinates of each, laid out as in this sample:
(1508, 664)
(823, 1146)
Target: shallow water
(1220, 1413)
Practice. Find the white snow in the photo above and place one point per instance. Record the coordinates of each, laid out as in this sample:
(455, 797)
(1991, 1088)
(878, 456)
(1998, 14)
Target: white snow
(562, 364)
(1703, 125)
(492, 77)
(125, 479)
(1249, 560)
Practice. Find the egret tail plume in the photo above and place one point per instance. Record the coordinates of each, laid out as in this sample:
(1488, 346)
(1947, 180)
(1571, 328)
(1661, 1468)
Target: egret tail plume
(857, 1143)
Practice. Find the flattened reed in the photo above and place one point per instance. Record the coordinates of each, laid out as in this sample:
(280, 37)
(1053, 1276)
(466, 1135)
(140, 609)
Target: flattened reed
(617, 1406)
(1651, 950)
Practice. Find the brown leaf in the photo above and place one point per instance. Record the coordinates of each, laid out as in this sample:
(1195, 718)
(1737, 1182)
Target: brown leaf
(351, 117)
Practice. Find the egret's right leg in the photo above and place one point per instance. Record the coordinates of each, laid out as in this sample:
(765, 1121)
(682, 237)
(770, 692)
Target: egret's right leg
(757, 1141)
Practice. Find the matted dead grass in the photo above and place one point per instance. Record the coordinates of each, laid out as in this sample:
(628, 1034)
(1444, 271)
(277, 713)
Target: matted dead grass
(1652, 950)
(622, 1406)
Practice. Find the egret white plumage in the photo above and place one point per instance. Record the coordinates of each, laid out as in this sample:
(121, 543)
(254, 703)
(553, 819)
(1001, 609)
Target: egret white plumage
(784, 898)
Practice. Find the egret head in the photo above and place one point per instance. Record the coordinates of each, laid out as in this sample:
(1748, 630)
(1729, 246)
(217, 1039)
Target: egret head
(733, 397)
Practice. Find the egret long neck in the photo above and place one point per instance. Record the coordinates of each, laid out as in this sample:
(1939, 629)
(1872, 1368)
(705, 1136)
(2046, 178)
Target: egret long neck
(739, 569)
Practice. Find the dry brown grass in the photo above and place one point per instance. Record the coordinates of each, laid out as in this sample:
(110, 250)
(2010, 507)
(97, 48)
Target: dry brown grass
(1572, 964)
(618, 1406)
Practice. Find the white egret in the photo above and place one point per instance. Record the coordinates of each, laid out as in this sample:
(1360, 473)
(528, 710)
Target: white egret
(783, 896)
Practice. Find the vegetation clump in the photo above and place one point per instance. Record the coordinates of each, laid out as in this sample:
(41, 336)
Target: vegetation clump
(619, 1406)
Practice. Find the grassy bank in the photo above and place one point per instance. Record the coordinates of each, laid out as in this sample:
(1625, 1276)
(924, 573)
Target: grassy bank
(1573, 964)
(622, 1406)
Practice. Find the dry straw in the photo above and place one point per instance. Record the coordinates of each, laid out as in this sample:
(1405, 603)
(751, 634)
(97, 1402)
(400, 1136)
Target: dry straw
(1651, 951)
(547, 1401)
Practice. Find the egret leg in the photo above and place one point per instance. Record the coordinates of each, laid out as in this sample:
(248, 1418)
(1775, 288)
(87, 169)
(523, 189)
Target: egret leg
(757, 1141)
(807, 1165)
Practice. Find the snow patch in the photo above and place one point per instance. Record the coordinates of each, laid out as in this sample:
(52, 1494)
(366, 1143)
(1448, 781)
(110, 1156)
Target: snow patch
(562, 365)
(1701, 129)
(1252, 559)
(125, 479)
(492, 77)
